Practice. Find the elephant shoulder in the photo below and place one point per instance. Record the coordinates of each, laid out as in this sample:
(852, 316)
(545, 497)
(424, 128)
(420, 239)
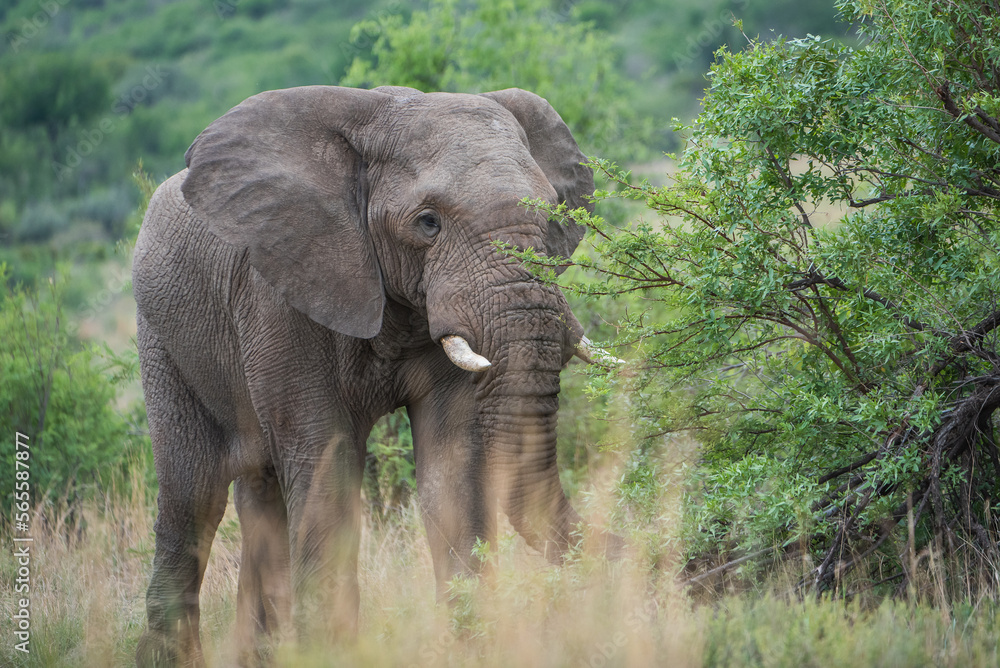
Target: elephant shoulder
(176, 257)
(166, 216)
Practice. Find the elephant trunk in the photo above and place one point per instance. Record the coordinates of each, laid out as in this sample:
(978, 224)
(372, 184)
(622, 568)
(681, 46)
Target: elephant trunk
(526, 481)
(516, 333)
(518, 404)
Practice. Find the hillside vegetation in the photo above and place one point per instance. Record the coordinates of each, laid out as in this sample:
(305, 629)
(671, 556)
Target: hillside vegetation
(87, 89)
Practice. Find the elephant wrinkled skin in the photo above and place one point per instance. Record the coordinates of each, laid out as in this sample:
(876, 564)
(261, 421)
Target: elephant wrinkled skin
(294, 284)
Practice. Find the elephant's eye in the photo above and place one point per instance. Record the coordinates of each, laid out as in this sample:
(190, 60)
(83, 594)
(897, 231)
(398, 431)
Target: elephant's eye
(429, 223)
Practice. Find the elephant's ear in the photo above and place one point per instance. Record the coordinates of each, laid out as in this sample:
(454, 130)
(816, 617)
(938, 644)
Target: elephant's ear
(279, 176)
(554, 149)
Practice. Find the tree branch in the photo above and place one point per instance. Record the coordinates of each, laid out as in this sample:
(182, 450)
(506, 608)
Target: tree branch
(944, 93)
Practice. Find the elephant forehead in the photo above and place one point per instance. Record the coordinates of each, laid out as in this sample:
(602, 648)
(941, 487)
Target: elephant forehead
(498, 176)
(469, 162)
(443, 122)
(462, 146)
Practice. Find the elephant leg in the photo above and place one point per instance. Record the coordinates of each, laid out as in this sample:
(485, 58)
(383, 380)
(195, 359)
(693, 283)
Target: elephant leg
(187, 448)
(264, 598)
(455, 503)
(324, 528)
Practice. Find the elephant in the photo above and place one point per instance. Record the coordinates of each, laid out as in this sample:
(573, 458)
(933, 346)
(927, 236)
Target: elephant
(327, 256)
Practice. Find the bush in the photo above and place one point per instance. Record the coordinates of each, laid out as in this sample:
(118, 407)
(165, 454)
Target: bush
(110, 208)
(390, 476)
(842, 376)
(53, 393)
(39, 222)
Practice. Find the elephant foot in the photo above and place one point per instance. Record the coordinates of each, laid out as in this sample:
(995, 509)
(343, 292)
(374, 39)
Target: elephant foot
(259, 654)
(156, 650)
(614, 545)
(159, 650)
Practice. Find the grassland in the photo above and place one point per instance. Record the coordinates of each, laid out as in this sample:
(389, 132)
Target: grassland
(90, 570)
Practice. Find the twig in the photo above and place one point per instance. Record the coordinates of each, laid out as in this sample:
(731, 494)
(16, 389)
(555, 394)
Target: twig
(850, 467)
(726, 566)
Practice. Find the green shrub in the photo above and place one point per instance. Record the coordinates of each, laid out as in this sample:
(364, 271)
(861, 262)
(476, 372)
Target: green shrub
(53, 393)
(40, 221)
(390, 476)
(827, 256)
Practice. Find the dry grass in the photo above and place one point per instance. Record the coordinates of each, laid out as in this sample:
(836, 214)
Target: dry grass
(87, 608)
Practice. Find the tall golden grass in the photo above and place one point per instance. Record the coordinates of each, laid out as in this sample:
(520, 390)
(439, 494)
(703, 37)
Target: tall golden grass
(89, 575)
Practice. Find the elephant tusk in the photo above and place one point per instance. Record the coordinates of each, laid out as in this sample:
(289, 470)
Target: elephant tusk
(591, 354)
(458, 351)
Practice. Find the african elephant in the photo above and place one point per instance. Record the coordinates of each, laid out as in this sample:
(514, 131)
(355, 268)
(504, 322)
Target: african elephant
(328, 256)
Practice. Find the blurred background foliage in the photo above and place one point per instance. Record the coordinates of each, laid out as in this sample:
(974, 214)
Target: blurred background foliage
(88, 88)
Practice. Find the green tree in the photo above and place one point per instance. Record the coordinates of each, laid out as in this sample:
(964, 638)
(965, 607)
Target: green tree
(477, 46)
(53, 392)
(828, 257)
(47, 100)
(53, 91)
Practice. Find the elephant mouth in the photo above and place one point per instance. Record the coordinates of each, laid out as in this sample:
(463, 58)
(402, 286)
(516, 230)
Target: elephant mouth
(461, 354)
